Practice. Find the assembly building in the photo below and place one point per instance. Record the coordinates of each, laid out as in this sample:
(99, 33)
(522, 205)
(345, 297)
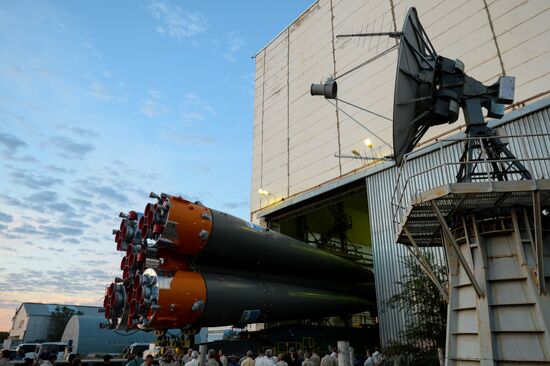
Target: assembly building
(318, 171)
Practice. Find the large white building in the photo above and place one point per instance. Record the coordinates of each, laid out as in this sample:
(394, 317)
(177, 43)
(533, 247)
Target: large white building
(307, 190)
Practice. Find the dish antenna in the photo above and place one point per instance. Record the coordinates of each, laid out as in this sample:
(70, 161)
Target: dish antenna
(429, 91)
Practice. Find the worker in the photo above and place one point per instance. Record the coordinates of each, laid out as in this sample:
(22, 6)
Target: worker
(315, 358)
(294, 360)
(281, 360)
(307, 360)
(5, 358)
(212, 358)
(187, 357)
(248, 361)
(327, 360)
(369, 361)
(148, 361)
(168, 360)
(223, 359)
(266, 359)
(134, 358)
(194, 359)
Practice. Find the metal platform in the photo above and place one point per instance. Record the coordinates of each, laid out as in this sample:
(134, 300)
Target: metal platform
(453, 199)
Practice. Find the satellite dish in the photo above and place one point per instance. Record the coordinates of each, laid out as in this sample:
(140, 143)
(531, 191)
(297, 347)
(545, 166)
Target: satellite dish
(430, 90)
(413, 86)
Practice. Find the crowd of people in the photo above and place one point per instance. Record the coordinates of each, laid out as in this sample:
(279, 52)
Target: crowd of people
(191, 358)
(267, 358)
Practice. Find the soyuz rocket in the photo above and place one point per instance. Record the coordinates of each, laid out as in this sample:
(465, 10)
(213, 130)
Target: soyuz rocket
(188, 266)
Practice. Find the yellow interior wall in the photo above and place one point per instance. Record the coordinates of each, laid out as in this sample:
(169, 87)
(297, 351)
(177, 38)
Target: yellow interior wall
(321, 220)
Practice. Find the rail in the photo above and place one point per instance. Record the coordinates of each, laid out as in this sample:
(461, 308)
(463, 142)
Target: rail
(441, 167)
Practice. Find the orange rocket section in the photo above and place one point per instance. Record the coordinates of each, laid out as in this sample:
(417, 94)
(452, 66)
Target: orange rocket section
(181, 303)
(188, 225)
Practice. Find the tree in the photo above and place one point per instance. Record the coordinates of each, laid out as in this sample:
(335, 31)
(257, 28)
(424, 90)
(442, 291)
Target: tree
(60, 318)
(426, 327)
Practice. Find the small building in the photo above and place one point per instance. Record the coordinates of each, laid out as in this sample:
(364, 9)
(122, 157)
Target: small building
(87, 337)
(33, 322)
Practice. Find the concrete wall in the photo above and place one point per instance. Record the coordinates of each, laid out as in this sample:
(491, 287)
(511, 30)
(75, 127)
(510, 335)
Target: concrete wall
(296, 136)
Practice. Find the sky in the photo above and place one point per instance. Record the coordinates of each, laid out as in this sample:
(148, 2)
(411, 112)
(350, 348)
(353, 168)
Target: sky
(101, 103)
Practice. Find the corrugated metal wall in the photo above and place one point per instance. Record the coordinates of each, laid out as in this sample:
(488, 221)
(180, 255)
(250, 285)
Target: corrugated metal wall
(380, 187)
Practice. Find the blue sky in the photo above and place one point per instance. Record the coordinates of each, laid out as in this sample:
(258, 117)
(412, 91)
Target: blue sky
(102, 102)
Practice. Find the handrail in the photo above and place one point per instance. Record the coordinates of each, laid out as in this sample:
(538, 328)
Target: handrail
(410, 181)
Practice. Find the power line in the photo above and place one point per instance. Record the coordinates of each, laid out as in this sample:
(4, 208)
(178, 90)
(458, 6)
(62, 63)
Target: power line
(367, 61)
(360, 124)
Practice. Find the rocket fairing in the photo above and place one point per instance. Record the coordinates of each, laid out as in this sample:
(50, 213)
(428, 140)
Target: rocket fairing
(189, 266)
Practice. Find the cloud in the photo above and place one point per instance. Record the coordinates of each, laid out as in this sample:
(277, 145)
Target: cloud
(79, 131)
(56, 231)
(43, 197)
(4, 217)
(34, 181)
(106, 94)
(235, 205)
(192, 116)
(55, 281)
(66, 147)
(194, 108)
(91, 186)
(58, 169)
(11, 142)
(11, 145)
(151, 106)
(234, 44)
(182, 138)
(175, 21)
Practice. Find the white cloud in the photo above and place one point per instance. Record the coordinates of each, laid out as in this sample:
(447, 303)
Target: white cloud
(234, 44)
(235, 41)
(151, 106)
(195, 109)
(104, 93)
(175, 21)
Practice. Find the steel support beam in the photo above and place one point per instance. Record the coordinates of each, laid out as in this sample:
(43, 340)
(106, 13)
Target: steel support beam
(447, 233)
(425, 265)
(539, 245)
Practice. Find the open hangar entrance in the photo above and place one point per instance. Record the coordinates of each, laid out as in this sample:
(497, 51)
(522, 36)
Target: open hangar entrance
(336, 220)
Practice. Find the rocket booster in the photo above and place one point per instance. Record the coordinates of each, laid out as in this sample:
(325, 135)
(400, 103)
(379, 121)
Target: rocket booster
(189, 266)
(216, 237)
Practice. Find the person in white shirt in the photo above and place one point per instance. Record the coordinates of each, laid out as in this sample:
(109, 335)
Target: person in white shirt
(307, 361)
(187, 357)
(281, 360)
(223, 359)
(369, 361)
(194, 359)
(376, 356)
(266, 360)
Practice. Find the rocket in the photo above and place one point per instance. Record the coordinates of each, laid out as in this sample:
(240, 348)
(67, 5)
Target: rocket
(189, 266)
